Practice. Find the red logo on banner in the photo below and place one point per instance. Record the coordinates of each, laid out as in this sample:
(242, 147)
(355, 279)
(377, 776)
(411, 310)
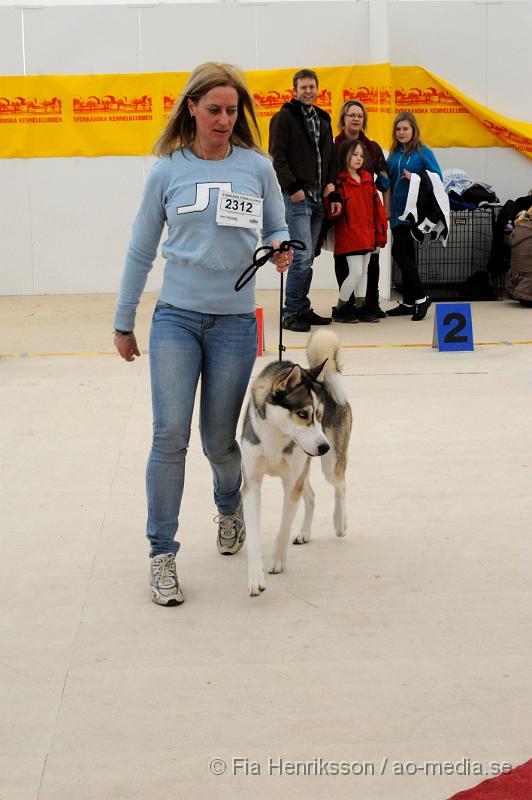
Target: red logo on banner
(369, 95)
(519, 142)
(374, 98)
(429, 100)
(30, 109)
(429, 96)
(272, 99)
(109, 108)
(270, 102)
(30, 105)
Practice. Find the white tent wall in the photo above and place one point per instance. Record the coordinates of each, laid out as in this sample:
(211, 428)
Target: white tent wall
(65, 222)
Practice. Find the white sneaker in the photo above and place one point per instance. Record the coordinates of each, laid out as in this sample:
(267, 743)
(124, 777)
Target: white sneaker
(231, 531)
(165, 590)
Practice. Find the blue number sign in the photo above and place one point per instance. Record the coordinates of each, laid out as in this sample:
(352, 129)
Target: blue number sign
(453, 327)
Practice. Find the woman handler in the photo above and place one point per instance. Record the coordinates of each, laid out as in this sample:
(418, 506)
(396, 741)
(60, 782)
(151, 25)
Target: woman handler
(208, 159)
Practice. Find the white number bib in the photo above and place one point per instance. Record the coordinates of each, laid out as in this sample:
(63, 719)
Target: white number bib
(239, 210)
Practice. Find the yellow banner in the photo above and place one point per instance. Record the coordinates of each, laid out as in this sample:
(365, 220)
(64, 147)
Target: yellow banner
(122, 115)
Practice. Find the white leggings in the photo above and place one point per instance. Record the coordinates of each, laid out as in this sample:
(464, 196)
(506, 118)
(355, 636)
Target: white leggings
(357, 279)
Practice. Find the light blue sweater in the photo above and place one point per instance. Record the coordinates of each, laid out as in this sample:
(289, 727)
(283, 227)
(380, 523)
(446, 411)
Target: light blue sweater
(203, 259)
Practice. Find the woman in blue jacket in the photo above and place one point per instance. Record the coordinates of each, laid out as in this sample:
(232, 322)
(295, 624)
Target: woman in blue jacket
(407, 155)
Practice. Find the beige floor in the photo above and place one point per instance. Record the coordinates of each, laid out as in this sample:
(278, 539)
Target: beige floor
(406, 642)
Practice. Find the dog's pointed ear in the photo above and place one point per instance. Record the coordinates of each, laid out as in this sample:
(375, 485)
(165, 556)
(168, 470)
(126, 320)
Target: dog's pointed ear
(290, 381)
(316, 372)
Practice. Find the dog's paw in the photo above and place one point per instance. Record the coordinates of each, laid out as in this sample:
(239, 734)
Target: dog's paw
(277, 565)
(302, 538)
(256, 580)
(340, 524)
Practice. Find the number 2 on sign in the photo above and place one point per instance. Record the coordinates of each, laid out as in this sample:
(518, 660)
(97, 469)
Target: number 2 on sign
(453, 327)
(451, 337)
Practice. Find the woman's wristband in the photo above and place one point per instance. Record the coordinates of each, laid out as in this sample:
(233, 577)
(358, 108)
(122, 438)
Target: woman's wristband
(123, 334)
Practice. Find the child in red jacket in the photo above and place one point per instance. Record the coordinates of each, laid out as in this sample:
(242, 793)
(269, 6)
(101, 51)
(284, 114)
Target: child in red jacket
(359, 229)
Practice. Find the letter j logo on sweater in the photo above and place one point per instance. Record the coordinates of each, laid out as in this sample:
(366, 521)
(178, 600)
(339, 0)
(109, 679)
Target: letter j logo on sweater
(203, 197)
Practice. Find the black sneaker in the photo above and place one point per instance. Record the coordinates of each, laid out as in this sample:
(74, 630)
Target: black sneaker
(366, 314)
(295, 323)
(314, 319)
(401, 310)
(344, 314)
(421, 309)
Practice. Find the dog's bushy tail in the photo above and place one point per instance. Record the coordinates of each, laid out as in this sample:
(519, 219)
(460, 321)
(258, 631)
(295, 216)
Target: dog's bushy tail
(325, 344)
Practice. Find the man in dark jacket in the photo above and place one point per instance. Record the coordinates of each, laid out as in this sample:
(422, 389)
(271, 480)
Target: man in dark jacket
(304, 158)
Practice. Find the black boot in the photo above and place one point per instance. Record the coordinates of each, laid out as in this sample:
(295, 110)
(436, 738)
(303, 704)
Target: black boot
(346, 313)
(367, 314)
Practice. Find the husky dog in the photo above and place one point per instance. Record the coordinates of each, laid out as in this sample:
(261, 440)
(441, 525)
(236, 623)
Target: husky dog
(294, 414)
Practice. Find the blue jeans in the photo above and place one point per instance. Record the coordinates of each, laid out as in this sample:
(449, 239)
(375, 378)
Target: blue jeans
(304, 222)
(184, 345)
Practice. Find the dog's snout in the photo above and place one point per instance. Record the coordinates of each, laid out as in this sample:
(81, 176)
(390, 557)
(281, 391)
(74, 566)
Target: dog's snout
(323, 448)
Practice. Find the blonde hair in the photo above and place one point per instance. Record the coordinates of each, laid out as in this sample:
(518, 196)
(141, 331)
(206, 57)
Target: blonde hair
(345, 108)
(180, 130)
(415, 142)
(524, 216)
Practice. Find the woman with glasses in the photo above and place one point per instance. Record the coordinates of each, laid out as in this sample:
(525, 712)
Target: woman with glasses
(215, 192)
(352, 123)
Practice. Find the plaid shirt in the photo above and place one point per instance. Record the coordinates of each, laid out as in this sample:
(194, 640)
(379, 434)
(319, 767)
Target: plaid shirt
(313, 124)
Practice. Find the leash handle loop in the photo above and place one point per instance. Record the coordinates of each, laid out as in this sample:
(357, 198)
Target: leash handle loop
(264, 254)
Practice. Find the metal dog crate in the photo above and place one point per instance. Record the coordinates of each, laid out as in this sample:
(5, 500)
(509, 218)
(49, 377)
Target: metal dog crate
(445, 270)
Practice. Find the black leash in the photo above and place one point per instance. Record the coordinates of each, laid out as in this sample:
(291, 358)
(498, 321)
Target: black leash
(281, 347)
(259, 260)
(260, 257)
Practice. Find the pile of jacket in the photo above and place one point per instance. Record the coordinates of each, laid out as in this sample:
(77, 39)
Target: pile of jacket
(464, 193)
